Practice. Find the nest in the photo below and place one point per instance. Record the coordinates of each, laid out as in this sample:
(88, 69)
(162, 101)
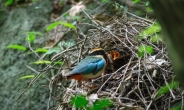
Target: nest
(135, 81)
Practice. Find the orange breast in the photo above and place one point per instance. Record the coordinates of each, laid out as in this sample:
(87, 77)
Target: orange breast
(76, 77)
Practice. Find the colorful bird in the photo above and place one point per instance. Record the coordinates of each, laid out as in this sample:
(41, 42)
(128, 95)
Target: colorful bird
(90, 67)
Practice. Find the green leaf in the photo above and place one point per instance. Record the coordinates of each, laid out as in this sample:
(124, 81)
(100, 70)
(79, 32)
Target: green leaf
(27, 77)
(59, 63)
(136, 1)
(79, 101)
(8, 2)
(54, 50)
(53, 25)
(102, 104)
(18, 47)
(69, 25)
(147, 3)
(155, 38)
(144, 49)
(149, 9)
(150, 31)
(41, 62)
(104, 1)
(32, 35)
(30, 38)
(149, 49)
(35, 33)
(45, 62)
(41, 50)
(140, 54)
(141, 51)
(177, 106)
(165, 89)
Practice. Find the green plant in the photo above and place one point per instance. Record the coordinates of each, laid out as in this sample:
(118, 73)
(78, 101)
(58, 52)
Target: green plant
(165, 89)
(151, 33)
(102, 104)
(137, 1)
(176, 106)
(8, 2)
(27, 76)
(104, 1)
(81, 102)
(53, 25)
(32, 35)
(152, 30)
(144, 49)
(17, 47)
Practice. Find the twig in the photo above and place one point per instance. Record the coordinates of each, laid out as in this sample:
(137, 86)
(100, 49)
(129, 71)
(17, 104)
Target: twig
(168, 87)
(124, 74)
(59, 54)
(139, 73)
(81, 48)
(36, 77)
(32, 69)
(32, 49)
(30, 84)
(110, 77)
(152, 98)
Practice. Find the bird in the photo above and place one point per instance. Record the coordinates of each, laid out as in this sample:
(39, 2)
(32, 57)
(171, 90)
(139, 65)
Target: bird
(91, 67)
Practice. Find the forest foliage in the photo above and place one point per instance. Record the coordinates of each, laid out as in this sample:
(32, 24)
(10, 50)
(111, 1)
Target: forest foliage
(143, 48)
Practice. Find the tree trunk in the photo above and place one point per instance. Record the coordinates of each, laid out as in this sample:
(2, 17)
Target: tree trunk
(170, 14)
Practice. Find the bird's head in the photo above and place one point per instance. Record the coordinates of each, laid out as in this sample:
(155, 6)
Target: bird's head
(97, 52)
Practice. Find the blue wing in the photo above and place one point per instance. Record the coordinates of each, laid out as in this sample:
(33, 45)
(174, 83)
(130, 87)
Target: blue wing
(90, 64)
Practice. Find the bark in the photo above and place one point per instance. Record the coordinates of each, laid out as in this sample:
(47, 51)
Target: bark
(170, 14)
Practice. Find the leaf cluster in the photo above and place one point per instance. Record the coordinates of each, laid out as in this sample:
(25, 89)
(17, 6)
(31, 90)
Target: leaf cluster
(80, 101)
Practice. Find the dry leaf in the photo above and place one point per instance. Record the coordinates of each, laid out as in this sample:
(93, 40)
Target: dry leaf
(93, 97)
(151, 62)
(76, 9)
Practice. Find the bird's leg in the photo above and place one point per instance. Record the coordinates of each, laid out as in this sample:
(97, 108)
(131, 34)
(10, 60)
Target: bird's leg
(103, 76)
